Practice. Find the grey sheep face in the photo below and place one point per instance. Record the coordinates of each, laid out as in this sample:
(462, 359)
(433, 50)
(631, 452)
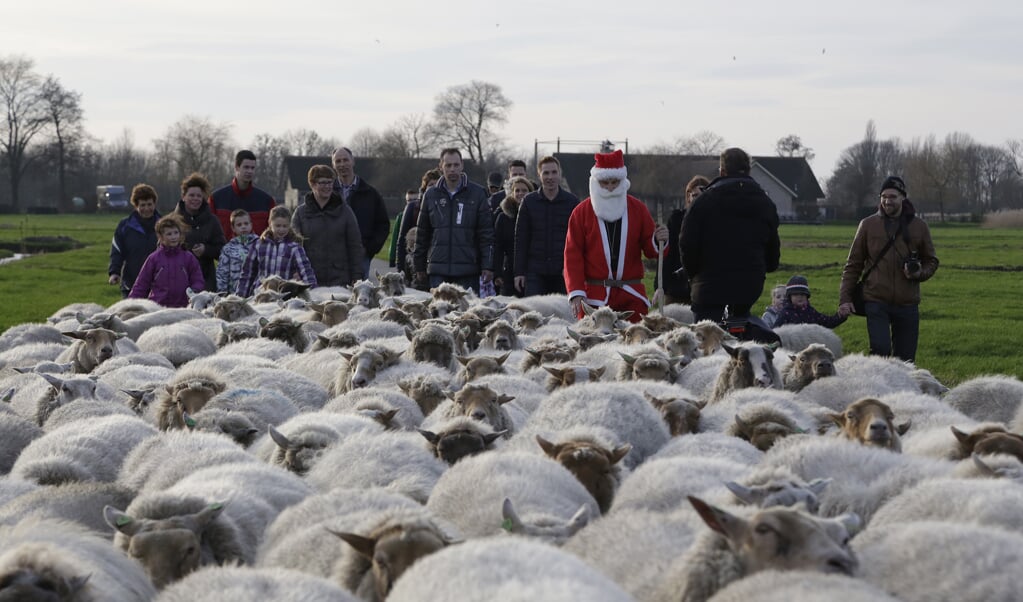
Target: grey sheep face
(232, 309)
(236, 426)
(481, 403)
(331, 312)
(366, 363)
(453, 444)
(589, 340)
(140, 399)
(284, 329)
(781, 492)
(298, 454)
(339, 340)
(501, 336)
(366, 294)
(45, 583)
(785, 539)
(427, 390)
(394, 550)
(649, 366)
(476, 367)
(871, 422)
(554, 531)
(765, 432)
(169, 548)
(98, 345)
(236, 331)
(567, 376)
(592, 465)
(392, 284)
(62, 392)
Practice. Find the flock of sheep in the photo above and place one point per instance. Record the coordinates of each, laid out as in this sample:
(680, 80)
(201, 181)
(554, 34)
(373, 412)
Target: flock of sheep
(376, 443)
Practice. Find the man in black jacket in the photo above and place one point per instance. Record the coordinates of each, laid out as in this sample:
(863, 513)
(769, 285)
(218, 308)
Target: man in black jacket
(365, 201)
(540, 231)
(455, 231)
(729, 241)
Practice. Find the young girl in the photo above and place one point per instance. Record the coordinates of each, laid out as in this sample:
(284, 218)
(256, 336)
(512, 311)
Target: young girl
(777, 302)
(277, 252)
(170, 270)
(797, 308)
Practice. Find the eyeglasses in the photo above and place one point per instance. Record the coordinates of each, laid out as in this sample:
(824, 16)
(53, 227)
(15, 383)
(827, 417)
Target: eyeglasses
(323, 183)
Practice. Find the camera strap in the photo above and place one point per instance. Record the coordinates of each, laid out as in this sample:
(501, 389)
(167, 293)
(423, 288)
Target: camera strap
(888, 245)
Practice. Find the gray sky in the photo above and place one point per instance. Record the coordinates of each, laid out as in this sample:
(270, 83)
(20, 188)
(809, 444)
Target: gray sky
(647, 71)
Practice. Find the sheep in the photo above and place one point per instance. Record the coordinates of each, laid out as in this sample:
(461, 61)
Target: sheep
(15, 434)
(636, 334)
(480, 365)
(993, 503)
(233, 308)
(243, 413)
(57, 560)
(480, 494)
(427, 390)
(137, 326)
(928, 383)
(288, 289)
(299, 442)
(31, 354)
(81, 452)
(81, 503)
(392, 284)
(500, 336)
(285, 329)
(800, 336)
(963, 562)
(73, 310)
(482, 403)
(620, 408)
(46, 367)
(602, 320)
(305, 393)
(750, 366)
(159, 462)
(681, 343)
(91, 348)
(37, 396)
(566, 376)
(459, 437)
(813, 362)
(139, 383)
(592, 458)
(333, 338)
(397, 461)
(778, 488)
(700, 376)
(82, 410)
(801, 586)
(764, 423)
(660, 324)
(528, 393)
(774, 538)
(189, 391)
(989, 398)
(681, 415)
(530, 321)
(588, 340)
(213, 515)
(391, 409)
(263, 348)
(361, 367)
(871, 422)
(998, 466)
(662, 485)
(242, 584)
(300, 537)
(711, 445)
(203, 300)
(648, 364)
(179, 343)
(24, 334)
(859, 376)
(458, 297)
(389, 543)
(528, 571)
(331, 313)
(548, 350)
(127, 309)
(710, 336)
(12, 488)
(140, 358)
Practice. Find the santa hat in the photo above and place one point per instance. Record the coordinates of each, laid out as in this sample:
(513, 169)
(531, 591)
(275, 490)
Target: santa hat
(609, 166)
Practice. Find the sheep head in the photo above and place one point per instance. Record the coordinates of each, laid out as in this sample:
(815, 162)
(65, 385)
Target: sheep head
(592, 464)
(570, 375)
(635, 334)
(98, 345)
(871, 422)
(330, 312)
(459, 438)
(681, 415)
(660, 324)
(588, 340)
(501, 336)
(299, 454)
(232, 308)
(553, 530)
(232, 332)
(284, 329)
(475, 367)
(530, 321)
(681, 343)
(392, 284)
(29, 577)
(366, 363)
(785, 539)
(427, 390)
(754, 364)
(649, 365)
(787, 492)
(431, 343)
(482, 403)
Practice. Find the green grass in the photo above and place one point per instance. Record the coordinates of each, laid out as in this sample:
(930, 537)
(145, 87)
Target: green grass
(968, 313)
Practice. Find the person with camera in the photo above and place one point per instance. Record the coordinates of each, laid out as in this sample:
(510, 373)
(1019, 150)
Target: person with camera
(898, 246)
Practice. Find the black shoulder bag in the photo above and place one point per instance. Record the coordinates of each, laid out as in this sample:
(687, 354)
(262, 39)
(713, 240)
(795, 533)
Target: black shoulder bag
(858, 302)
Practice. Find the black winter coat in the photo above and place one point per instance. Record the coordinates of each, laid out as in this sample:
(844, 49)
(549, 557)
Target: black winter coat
(331, 240)
(540, 232)
(134, 239)
(455, 234)
(675, 284)
(504, 245)
(729, 241)
(371, 213)
(205, 230)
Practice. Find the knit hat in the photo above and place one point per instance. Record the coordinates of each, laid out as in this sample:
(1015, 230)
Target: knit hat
(894, 182)
(495, 179)
(797, 285)
(609, 166)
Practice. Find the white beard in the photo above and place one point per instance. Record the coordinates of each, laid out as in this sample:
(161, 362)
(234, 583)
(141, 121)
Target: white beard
(609, 205)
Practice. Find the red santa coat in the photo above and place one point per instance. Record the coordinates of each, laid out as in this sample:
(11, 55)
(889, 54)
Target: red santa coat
(588, 257)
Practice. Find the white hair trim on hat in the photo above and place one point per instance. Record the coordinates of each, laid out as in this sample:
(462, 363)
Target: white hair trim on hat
(609, 173)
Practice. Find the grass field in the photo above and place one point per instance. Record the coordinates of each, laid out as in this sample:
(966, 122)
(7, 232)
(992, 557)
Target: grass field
(967, 315)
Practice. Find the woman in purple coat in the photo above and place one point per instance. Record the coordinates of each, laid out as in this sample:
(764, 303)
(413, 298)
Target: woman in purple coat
(170, 270)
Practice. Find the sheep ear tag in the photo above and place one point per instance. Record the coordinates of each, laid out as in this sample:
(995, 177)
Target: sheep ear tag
(123, 520)
(215, 506)
(507, 525)
(189, 422)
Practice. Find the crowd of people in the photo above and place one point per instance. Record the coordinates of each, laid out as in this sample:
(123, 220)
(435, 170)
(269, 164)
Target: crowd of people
(518, 237)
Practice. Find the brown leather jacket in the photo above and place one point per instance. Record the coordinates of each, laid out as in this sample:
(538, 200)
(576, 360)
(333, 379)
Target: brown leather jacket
(887, 283)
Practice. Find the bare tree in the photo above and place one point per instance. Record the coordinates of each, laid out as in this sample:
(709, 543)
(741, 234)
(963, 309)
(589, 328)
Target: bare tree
(702, 143)
(196, 143)
(25, 117)
(995, 165)
(466, 115)
(792, 146)
(852, 188)
(64, 113)
(307, 143)
(416, 133)
(270, 151)
(365, 142)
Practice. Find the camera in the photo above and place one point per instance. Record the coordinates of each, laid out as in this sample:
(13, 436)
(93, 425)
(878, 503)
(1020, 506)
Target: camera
(912, 264)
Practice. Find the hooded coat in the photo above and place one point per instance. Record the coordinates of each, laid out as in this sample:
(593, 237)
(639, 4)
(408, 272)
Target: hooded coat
(331, 239)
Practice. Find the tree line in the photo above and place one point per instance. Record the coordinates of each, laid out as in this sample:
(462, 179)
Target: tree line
(47, 156)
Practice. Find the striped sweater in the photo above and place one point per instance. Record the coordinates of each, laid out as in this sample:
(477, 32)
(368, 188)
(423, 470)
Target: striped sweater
(268, 257)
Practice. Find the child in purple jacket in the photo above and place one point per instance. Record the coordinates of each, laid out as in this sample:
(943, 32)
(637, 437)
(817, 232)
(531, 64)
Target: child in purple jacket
(277, 252)
(170, 270)
(797, 308)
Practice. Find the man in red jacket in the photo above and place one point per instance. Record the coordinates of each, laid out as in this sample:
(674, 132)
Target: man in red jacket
(242, 194)
(607, 233)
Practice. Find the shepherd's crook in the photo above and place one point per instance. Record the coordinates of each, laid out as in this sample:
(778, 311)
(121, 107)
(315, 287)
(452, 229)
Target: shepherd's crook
(659, 293)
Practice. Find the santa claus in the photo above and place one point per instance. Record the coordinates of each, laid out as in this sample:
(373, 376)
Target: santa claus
(607, 233)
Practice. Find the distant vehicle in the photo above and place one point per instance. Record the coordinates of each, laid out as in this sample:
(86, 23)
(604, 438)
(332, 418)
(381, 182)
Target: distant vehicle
(111, 197)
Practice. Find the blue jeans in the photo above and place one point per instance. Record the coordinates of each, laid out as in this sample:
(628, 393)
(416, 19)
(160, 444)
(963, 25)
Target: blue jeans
(470, 282)
(893, 329)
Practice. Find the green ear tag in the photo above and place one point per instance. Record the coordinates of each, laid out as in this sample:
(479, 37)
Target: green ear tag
(123, 520)
(507, 525)
(216, 506)
(190, 422)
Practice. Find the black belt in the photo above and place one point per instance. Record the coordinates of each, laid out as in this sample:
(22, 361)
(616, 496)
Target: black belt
(613, 283)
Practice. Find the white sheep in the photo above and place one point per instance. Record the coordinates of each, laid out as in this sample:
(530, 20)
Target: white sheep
(36, 396)
(179, 343)
(243, 414)
(159, 462)
(455, 438)
(15, 434)
(711, 445)
(91, 348)
(298, 443)
(390, 408)
(81, 410)
(277, 351)
(664, 485)
(92, 451)
(133, 359)
(12, 488)
(397, 461)
(56, 560)
(993, 503)
(774, 538)
(801, 586)
(482, 403)
(321, 366)
(813, 362)
(749, 366)
(243, 584)
(509, 569)
(988, 398)
(81, 503)
(962, 562)
(700, 376)
(28, 333)
(304, 392)
(860, 376)
(30, 354)
(796, 337)
(519, 493)
(136, 326)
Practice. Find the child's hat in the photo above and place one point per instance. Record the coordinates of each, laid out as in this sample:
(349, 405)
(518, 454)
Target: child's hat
(797, 285)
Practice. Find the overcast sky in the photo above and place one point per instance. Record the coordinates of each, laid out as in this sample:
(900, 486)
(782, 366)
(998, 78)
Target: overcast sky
(647, 71)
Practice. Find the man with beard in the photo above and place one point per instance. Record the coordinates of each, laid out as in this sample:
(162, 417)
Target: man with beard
(729, 241)
(607, 233)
